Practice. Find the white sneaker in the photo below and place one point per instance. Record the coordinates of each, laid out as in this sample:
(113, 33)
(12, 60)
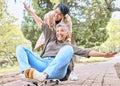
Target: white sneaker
(73, 77)
(40, 76)
(34, 74)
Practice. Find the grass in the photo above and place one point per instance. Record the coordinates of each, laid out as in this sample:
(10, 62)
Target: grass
(93, 59)
(9, 69)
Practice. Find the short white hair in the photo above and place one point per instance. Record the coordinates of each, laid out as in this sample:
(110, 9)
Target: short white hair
(62, 24)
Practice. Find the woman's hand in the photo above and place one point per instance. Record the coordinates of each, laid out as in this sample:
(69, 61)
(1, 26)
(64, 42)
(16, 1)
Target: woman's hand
(37, 19)
(110, 54)
(26, 8)
(99, 54)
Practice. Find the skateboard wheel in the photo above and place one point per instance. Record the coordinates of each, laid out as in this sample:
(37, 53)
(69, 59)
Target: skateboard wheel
(28, 85)
(51, 81)
(35, 83)
(57, 82)
(45, 82)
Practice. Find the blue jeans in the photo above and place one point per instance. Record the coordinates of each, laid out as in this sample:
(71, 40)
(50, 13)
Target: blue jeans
(54, 67)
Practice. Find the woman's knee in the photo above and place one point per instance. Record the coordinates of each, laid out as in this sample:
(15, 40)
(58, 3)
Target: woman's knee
(19, 48)
(69, 48)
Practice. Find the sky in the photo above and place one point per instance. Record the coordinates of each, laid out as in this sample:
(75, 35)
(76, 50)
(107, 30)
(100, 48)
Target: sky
(16, 9)
(116, 15)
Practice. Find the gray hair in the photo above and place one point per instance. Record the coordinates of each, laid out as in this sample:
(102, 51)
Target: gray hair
(62, 24)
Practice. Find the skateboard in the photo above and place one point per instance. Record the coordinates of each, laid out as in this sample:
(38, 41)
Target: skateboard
(33, 82)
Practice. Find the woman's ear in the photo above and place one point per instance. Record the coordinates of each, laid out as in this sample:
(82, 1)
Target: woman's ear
(67, 35)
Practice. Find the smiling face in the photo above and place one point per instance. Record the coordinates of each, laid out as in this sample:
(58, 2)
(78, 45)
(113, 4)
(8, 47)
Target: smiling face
(58, 14)
(61, 33)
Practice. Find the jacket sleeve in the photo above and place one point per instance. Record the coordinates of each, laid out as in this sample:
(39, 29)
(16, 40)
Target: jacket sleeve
(80, 51)
(48, 33)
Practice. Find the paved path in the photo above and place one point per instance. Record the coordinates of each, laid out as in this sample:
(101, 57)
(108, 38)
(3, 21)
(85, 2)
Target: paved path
(95, 74)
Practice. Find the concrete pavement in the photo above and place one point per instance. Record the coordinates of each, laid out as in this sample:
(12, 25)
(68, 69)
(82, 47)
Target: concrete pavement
(93, 74)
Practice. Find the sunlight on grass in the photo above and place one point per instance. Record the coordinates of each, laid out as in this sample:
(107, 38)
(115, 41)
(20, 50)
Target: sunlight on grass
(10, 69)
(93, 59)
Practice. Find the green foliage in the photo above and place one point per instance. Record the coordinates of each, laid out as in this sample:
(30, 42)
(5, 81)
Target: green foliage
(29, 27)
(113, 42)
(89, 19)
(58, 1)
(92, 17)
(10, 35)
(30, 31)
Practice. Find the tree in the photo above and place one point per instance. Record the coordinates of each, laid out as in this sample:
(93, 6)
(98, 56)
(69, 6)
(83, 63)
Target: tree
(29, 27)
(112, 43)
(89, 19)
(92, 17)
(10, 34)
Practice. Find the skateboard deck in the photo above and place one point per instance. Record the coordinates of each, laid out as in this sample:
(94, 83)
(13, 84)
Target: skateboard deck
(38, 83)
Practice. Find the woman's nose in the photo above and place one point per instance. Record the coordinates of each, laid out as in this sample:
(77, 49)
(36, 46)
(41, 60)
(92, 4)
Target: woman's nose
(56, 15)
(59, 32)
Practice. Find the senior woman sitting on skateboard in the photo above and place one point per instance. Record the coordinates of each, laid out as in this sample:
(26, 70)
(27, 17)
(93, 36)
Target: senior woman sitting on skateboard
(56, 56)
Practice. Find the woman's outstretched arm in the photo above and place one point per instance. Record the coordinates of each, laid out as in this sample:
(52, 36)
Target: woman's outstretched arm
(98, 54)
(37, 19)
